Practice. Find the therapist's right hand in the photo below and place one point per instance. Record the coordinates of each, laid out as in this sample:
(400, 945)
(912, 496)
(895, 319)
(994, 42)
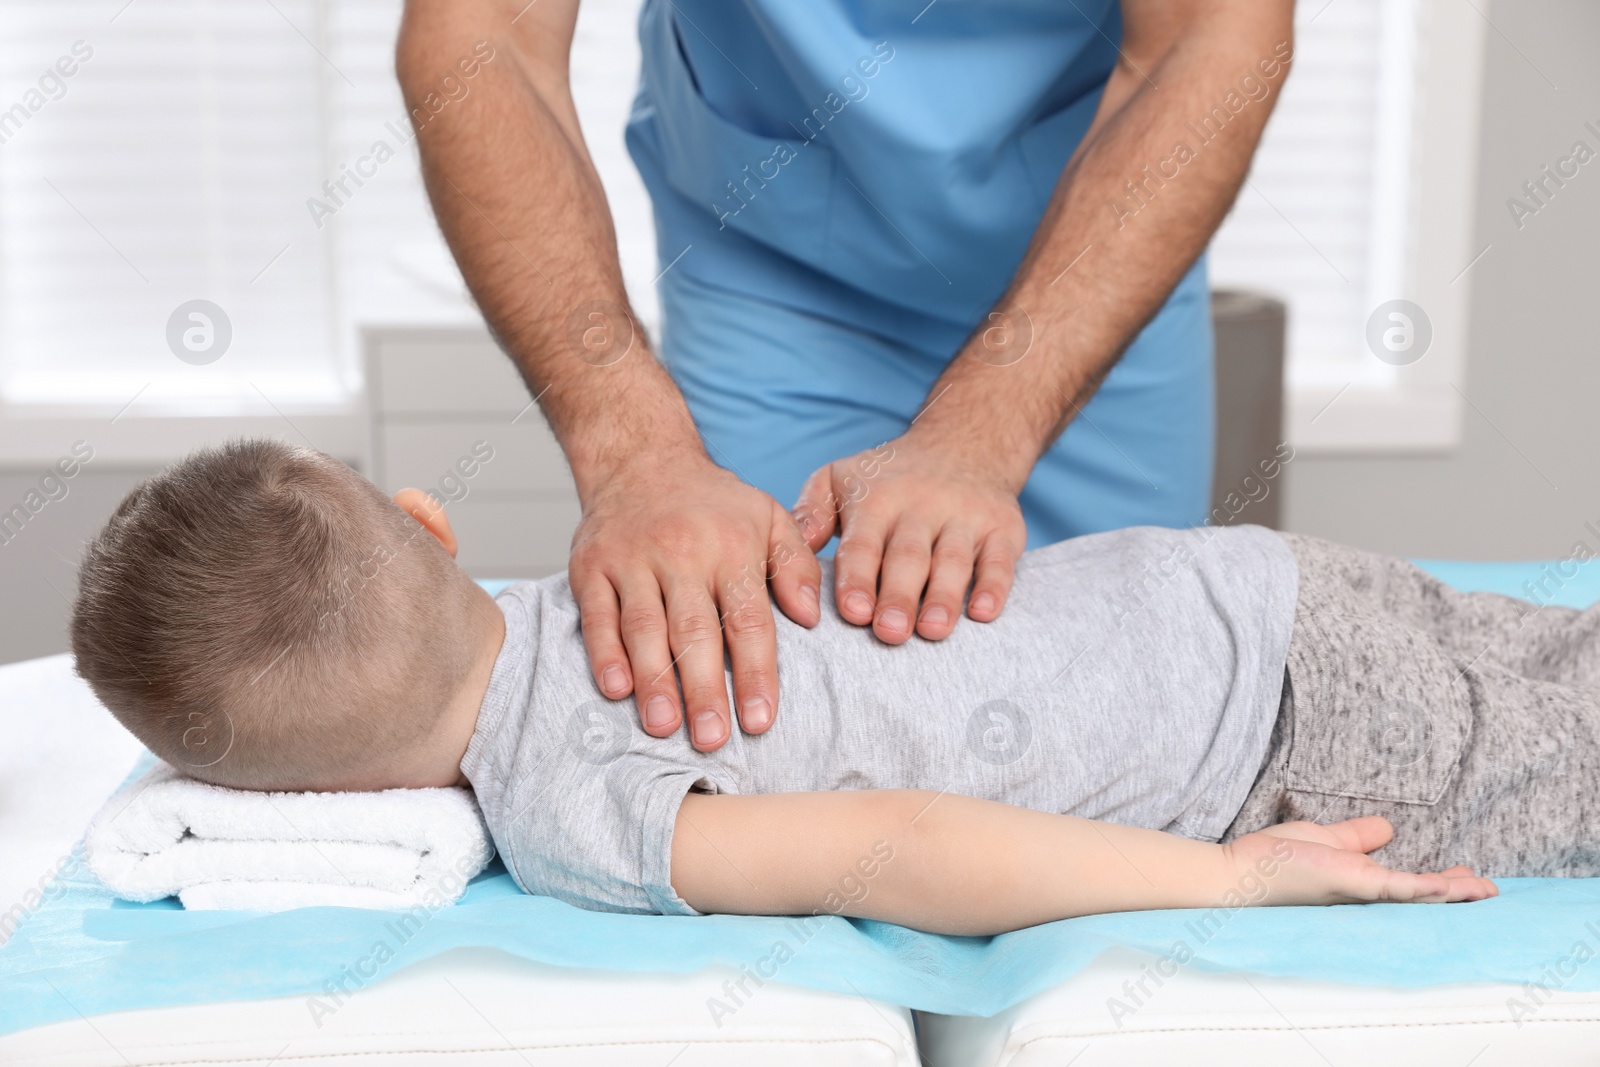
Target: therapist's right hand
(671, 562)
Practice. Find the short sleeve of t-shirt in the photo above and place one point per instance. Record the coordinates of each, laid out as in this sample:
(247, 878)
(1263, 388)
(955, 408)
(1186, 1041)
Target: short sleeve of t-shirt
(597, 835)
(579, 808)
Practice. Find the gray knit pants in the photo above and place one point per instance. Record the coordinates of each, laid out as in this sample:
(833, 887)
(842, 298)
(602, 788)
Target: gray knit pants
(1470, 720)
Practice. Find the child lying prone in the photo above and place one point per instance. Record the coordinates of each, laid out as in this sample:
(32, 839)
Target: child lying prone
(1159, 719)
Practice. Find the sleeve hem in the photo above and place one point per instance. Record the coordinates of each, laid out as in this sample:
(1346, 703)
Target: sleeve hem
(661, 816)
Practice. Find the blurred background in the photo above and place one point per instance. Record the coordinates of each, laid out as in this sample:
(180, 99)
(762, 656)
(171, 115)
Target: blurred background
(211, 223)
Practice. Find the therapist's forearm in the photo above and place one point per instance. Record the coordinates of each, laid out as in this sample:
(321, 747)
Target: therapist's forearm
(524, 212)
(1104, 259)
(675, 562)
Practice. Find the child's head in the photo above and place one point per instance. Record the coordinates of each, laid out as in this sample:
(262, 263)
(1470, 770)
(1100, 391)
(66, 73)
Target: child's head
(262, 617)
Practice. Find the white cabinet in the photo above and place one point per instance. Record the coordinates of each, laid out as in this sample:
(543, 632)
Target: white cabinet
(451, 416)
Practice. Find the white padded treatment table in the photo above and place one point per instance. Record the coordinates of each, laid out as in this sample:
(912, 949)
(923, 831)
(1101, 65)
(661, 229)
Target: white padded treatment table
(62, 755)
(1202, 1019)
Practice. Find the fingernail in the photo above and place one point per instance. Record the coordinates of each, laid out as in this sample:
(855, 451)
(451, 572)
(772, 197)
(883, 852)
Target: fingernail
(658, 712)
(707, 728)
(894, 619)
(936, 616)
(859, 604)
(809, 597)
(757, 712)
(612, 680)
(983, 603)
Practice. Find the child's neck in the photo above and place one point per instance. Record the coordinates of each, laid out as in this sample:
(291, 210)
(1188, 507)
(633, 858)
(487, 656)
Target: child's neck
(461, 720)
(436, 760)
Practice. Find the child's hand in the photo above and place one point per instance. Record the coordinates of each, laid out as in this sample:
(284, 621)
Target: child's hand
(1305, 863)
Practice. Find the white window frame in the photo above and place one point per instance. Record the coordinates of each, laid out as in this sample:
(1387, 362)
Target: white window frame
(1422, 243)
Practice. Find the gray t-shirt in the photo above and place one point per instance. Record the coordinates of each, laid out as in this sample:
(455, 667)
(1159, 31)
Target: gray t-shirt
(1134, 677)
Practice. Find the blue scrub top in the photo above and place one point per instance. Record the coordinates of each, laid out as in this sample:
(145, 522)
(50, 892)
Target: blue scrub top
(870, 177)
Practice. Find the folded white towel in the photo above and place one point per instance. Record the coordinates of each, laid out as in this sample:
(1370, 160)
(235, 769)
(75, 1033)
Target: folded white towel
(214, 848)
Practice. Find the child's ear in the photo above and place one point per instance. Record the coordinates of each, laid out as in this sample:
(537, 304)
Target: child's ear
(430, 514)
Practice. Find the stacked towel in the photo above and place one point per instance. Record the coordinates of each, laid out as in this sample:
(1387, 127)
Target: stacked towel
(216, 848)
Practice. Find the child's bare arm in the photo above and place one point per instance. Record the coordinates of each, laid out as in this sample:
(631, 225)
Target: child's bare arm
(952, 864)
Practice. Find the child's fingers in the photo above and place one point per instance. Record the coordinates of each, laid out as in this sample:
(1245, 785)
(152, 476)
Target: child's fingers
(1402, 887)
(1463, 889)
(1459, 890)
(1362, 834)
(1368, 882)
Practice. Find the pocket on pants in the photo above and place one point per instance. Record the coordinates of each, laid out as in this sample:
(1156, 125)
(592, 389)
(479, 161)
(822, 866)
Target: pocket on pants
(1381, 712)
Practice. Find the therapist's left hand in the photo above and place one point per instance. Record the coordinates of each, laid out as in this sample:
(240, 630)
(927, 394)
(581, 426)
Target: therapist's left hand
(918, 522)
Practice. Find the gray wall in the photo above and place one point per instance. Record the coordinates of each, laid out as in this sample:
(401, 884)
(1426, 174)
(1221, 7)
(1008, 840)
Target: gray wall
(1527, 476)
(38, 566)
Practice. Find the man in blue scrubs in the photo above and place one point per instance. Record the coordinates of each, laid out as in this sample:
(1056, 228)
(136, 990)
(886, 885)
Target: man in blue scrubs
(933, 275)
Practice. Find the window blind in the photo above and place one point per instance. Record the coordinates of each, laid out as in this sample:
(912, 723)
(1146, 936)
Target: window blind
(1322, 221)
(185, 159)
(167, 168)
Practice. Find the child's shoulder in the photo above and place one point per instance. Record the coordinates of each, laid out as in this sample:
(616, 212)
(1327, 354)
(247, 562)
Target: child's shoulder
(528, 593)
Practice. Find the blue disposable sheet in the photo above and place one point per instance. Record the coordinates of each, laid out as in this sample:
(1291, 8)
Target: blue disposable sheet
(82, 952)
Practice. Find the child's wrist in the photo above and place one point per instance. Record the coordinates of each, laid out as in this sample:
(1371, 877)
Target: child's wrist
(1252, 868)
